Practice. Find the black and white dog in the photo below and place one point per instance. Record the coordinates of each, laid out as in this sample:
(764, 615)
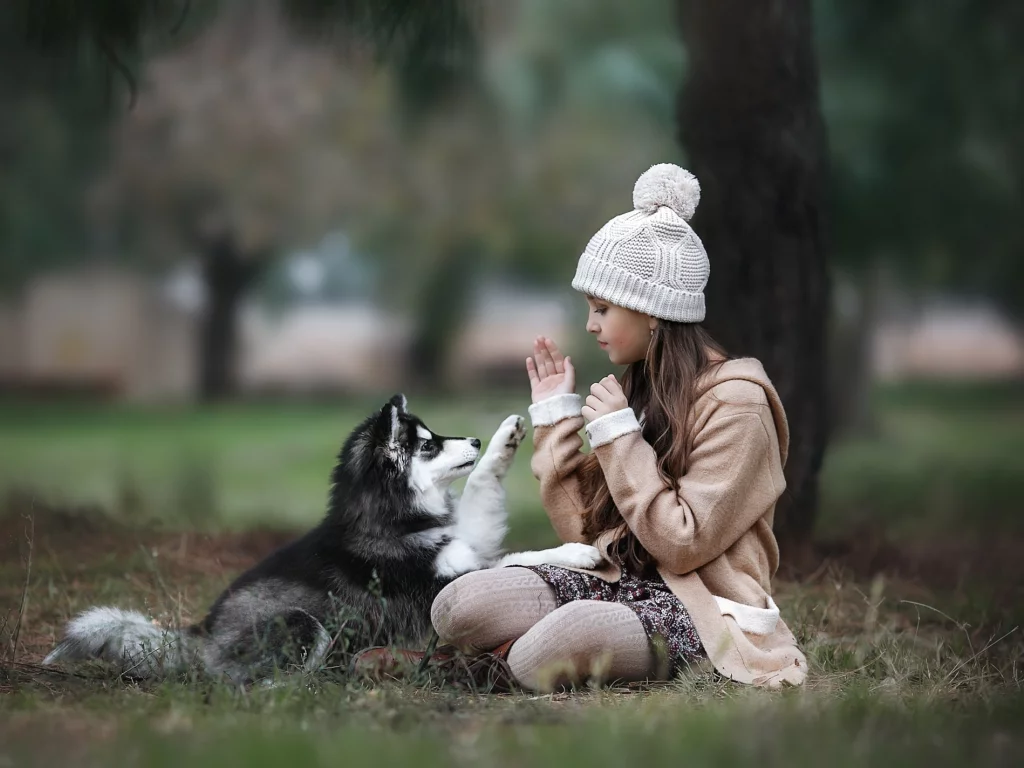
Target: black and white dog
(394, 534)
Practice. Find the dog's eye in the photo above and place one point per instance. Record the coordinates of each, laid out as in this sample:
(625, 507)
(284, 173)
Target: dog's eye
(427, 445)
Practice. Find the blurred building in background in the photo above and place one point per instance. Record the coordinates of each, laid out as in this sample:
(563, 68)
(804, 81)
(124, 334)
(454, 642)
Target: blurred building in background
(118, 334)
(949, 340)
(97, 331)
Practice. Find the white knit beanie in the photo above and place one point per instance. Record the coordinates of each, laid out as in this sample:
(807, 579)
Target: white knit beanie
(650, 259)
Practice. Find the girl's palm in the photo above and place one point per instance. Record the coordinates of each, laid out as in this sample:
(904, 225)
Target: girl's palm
(550, 373)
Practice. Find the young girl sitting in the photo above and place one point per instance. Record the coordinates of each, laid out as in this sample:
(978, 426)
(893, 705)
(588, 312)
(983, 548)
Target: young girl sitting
(678, 492)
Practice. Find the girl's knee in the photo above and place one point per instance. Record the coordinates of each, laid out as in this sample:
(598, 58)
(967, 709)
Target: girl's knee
(587, 622)
(483, 609)
(584, 639)
(446, 609)
(455, 612)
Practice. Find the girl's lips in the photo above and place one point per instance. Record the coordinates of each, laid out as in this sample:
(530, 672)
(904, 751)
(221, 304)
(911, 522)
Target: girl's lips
(603, 344)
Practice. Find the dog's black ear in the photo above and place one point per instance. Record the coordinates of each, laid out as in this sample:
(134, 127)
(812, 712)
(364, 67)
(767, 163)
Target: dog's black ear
(396, 425)
(389, 425)
(400, 402)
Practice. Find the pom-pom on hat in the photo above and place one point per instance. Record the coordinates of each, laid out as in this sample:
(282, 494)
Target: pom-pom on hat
(650, 259)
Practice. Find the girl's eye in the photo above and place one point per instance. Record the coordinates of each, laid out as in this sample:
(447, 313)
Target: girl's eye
(601, 310)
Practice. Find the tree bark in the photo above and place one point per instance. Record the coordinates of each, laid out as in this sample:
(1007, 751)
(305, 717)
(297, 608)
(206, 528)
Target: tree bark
(750, 119)
(227, 275)
(851, 361)
(441, 313)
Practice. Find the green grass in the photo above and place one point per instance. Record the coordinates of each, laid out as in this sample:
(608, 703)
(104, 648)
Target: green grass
(659, 730)
(893, 682)
(227, 468)
(904, 671)
(943, 459)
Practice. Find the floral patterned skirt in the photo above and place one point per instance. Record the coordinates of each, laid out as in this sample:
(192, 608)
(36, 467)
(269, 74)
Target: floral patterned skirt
(665, 620)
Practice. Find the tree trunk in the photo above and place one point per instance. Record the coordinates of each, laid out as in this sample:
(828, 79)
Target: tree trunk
(441, 313)
(227, 275)
(851, 373)
(750, 119)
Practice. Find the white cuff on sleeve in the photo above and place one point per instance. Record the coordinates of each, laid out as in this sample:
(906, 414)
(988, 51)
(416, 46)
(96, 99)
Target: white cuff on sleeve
(606, 428)
(554, 409)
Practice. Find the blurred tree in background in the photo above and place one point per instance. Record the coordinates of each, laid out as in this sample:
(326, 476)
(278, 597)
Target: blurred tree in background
(925, 108)
(750, 117)
(232, 154)
(514, 175)
(924, 112)
(208, 162)
(495, 143)
(51, 139)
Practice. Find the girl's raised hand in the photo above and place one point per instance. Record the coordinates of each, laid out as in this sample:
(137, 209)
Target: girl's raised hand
(550, 373)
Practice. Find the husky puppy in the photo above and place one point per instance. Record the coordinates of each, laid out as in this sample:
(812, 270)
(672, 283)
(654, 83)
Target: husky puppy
(394, 534)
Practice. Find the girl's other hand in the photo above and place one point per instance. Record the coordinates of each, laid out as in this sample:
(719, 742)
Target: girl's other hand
(606, 396)
(550, 373)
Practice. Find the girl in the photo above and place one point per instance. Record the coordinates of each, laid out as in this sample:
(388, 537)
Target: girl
(678, 491)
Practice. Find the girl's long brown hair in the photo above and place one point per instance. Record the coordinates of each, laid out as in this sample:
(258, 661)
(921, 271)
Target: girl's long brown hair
(664, 388)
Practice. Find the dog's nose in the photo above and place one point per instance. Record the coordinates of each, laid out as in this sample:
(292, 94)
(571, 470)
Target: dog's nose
(475, 442)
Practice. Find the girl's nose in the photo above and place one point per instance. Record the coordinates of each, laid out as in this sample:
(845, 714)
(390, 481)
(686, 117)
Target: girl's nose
(592, 327)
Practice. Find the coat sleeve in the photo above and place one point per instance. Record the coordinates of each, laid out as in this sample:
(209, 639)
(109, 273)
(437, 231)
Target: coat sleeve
(733, 478)
(557, 457)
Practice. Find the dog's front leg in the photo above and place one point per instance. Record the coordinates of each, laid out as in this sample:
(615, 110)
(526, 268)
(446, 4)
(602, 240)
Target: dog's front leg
(481, 520)
(573, 555)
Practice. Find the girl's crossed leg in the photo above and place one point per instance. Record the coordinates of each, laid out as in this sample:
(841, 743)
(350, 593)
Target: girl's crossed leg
(554, 646)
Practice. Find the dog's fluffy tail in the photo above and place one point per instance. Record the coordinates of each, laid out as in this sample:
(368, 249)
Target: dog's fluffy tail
(126, 638)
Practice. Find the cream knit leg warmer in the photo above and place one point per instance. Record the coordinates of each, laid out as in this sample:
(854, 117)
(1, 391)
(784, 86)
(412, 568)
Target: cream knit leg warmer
(483, 609)
(585, 639)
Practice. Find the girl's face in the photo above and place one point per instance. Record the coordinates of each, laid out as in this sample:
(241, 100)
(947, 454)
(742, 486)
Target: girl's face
(624, 334)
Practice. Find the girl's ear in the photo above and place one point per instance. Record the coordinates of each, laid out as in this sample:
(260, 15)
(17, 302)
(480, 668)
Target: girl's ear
(652, 323)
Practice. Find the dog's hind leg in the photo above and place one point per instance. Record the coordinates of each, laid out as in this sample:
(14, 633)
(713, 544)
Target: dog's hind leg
(481, 517)
(286, 642)
(316, 653)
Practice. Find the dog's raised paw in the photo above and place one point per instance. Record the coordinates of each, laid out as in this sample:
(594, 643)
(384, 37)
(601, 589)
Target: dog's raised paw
(511, 433)
(501, 451)
(518, 432)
